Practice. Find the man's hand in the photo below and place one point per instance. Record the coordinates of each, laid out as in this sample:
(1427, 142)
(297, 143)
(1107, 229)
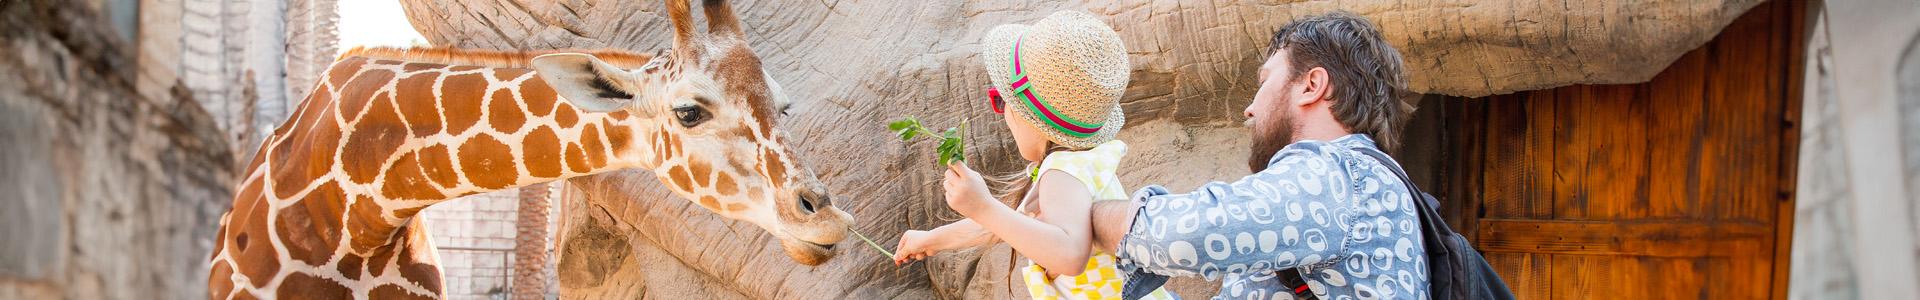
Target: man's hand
(966, 191)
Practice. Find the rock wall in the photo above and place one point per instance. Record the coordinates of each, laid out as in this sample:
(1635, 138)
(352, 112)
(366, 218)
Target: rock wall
(111, 192)
(853, 65)
(1855, 234)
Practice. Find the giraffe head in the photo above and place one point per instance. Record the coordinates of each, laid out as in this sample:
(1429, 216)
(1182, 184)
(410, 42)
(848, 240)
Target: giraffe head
(708, 110)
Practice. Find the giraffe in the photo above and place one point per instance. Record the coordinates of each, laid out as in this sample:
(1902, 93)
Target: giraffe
(328, 207)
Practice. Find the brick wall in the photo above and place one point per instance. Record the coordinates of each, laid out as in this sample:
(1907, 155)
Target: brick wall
(475, 237)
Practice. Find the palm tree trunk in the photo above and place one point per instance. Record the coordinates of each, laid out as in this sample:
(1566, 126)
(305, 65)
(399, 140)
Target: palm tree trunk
(530, 243)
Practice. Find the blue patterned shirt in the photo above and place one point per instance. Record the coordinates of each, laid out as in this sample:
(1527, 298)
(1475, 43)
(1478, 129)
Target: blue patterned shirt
(1339, 217)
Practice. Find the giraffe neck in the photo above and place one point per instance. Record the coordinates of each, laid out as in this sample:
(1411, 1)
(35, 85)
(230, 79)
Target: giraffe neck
(334, 189)
(465, 130)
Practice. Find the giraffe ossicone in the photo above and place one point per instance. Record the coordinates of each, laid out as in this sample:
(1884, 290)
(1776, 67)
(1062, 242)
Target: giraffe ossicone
(328, 208)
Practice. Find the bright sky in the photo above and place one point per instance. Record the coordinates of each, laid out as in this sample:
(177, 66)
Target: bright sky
(376, 23)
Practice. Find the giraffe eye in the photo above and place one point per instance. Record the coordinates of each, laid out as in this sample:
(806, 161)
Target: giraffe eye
(690, 116)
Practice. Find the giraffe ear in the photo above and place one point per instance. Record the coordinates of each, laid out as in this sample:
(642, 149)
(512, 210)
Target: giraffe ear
(586, 81)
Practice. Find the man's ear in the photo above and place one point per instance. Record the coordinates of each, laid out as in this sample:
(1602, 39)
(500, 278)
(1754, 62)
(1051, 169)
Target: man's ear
(1314, 86)
(586, 81)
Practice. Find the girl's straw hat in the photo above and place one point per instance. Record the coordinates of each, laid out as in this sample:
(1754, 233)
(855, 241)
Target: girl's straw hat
(1064, 75)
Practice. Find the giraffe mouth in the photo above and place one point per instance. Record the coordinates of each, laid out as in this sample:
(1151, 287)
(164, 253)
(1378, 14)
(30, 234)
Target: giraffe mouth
(828, 247)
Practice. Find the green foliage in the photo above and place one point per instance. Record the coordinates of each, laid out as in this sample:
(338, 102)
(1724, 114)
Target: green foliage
(953, 147)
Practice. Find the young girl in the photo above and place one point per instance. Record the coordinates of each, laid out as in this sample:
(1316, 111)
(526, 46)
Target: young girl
(1057, 84)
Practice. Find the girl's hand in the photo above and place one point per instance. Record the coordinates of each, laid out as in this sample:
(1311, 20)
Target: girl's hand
(914, 245)
(966, 191)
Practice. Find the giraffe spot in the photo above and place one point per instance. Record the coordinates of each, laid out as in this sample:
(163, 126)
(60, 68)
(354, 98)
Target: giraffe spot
(756, 191)
(710, 203)
(377, 136)
(219, 243)
(304, 157)
(349, 267)
(249, 221)
(678, 175)
(577, 159)
(364, 89)
(220, 280)
(344, 69)
(461, 96)
(407, 212)
(674, 146)
(417, 103)
(725, 185)
(509, 74)
(776, 169)
(504, 112)
(377, 259)
(618, 136)
(539, 96)
(590, 139)
(310, 229)
(488, 163)
(463, 68)
(437, 162)
(303, 286)
(541, 148)
(411, 67)
(700, 170)
(405, 180)
(736, 207)
(390, 291)
(245, 295)
(369, 228)
(566, 116)
(423, 273)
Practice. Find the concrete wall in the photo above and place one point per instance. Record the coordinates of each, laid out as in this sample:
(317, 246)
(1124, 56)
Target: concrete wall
(1854, 232)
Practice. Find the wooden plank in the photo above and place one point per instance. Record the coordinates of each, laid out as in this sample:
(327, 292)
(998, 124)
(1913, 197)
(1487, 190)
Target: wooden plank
(1462, 172)
(1519, 157)
(1663, 238)
(1530, 276)
(1612, 277)
(1674, 138)
(1600, 170)
(1795, 24)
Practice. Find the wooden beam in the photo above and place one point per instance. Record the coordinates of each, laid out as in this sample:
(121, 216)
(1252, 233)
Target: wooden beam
(1674, 238)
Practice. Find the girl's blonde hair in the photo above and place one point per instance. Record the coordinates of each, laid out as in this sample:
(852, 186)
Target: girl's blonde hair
(1012, 187)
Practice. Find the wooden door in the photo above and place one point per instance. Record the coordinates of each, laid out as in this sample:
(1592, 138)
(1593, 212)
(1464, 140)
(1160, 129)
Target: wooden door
(1678, 188)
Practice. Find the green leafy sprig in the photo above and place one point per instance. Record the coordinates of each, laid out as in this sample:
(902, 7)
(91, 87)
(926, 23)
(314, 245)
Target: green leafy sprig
(953, 145)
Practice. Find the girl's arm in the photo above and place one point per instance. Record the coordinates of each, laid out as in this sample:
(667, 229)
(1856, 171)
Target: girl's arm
(915, 244)
(1060, 240)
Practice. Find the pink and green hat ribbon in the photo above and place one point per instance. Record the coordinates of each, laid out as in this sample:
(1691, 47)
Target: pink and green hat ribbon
(1023, 88)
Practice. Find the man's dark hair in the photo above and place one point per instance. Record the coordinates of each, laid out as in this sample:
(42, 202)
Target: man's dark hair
(1366, 74)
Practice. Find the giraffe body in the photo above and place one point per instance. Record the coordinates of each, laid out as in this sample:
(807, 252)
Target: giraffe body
(328, 207)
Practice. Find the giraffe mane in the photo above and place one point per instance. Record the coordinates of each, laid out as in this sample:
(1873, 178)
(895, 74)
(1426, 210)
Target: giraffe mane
(490, 58)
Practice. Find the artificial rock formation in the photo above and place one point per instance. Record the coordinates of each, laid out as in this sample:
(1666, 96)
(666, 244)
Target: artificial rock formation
(106, 193)
(852, 65)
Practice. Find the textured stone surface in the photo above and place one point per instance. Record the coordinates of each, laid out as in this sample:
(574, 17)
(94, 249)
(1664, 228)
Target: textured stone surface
(1855, 234)
(852, 65)
(121, 187)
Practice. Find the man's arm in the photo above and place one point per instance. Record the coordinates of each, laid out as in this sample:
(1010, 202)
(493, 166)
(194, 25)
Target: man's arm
(1280, 218)
(1111, 219)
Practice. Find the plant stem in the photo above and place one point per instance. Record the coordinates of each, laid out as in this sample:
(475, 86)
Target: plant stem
(870, 242)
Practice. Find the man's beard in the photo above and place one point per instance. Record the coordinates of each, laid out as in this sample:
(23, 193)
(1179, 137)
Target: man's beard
(1268, 141)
